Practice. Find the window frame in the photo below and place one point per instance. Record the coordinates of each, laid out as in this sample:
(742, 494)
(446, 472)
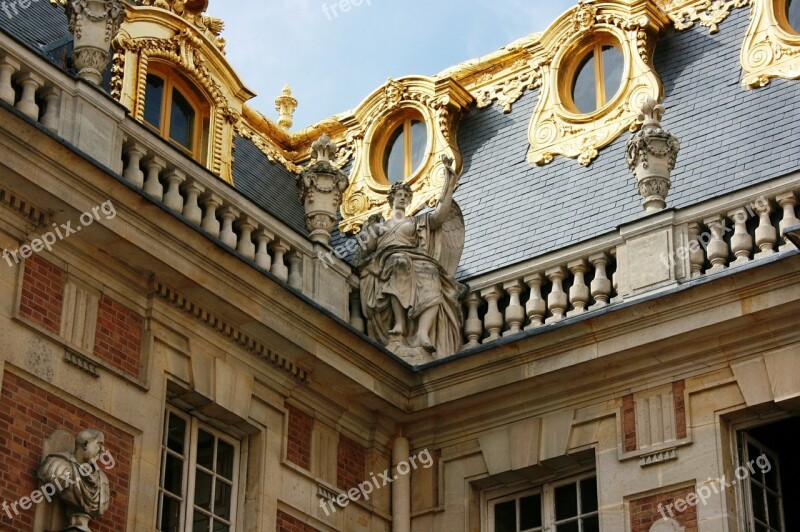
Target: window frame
(780, 10)
(189, 472)
(547, 492)
(571, 68)
(747, 489)
(197, 101)
(405, 119)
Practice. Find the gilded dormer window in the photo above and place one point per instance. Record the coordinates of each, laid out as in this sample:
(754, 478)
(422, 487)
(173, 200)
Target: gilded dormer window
(596, 79)
(402, 150)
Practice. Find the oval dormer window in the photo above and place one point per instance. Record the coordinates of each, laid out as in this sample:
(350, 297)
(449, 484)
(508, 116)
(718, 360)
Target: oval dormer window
(793, 15)
(402, 149)
(596, 78)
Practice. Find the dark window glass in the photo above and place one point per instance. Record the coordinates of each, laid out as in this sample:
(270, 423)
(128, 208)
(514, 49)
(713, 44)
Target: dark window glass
(220, 527)
(222, 500)
(202, 523)
(566, 501)
(419, 141)
(613, 65)
(572, 526)
(225, 459)
(173, 475)
(591, 524)
(759, 508)
(202, 490)
(505, 517)
(181, 126)
(176, 434)
(530, 512)
(393, 159)
(793, 14)
(170, 515)
(205, 450)
(588, 495)
(153, 98)
(583, 90)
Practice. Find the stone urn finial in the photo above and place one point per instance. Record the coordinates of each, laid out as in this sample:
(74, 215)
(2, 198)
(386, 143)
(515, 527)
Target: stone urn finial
(286, 105)
(321, 186)
(651, 155)
(93, 24)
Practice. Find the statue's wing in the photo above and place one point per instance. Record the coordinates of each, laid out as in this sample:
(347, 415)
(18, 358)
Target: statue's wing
(450, 240)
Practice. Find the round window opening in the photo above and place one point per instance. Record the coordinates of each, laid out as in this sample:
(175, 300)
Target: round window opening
(793, 15)
(597, 77)
(403, 151)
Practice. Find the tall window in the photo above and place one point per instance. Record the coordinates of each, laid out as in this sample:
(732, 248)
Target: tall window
(762, 487)
(597, 77)
(177, 112)
(566, 506)
(199, 476)
(403, 150)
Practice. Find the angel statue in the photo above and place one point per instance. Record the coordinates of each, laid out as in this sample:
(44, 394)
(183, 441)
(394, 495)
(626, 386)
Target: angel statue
(408, 294)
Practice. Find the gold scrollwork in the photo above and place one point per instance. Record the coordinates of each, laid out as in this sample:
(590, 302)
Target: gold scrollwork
(557, 128)
(439, 103)
(770, 49)
(706, 12)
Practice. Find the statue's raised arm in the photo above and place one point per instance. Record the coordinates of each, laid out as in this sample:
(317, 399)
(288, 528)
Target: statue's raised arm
(445, 203)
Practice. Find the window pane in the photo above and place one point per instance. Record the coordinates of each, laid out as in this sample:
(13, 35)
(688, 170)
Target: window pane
(591, 524)
(205, 450)
(566, 501)
(220, 527)
(613, 65)
(793, 14)
(225, 459)
(759, 511)
(181, 128)
(173, 474)
(572, 526)
(773, 506)
(222, 500)
(419, 141)
(170, 514)
(176, 433)
(583, 90)
(202, 490)
(201, 522)
(153, 98)
(505, 517)
(588, 495)
(530, 512)
(393, 163)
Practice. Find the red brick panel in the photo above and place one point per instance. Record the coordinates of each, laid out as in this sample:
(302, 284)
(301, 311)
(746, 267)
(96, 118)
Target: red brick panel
(287, 523)
(629, 423)
(42, 293)
(680, 408)
(28, 416)
(646, 511)
(118, 340)
(351, 464)
(299, 438)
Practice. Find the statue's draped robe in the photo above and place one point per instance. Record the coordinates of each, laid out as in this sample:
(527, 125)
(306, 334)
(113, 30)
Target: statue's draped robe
(405, 266)
(90, 494)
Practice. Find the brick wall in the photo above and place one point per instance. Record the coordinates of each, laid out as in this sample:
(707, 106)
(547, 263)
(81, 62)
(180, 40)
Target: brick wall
(645, 511)
(118, 339)
(28, 416)
(299, 438)
(680, 408)
(42, 293)
(351, 463)
(629, 423)
(287, 523)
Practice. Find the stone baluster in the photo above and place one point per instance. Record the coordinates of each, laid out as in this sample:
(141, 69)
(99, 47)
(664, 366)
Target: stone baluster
(697, 257)
(473, 326)
(172, 198)
(557, 300)
(211, 202)
(356, 317)
(52, 99)
(766, 235)
(493, 320)
(295, 270)
(536, 307)
(515, 312)
(601, 284)
(152, 186)
(278, 268)
(27, 102)
(8, 67)
(133, 171)
(741, 241)
(246, 246)
(787, 202)
(262, 253)
(578, 292)
(226, 234)
(717, 248)
(191, 209)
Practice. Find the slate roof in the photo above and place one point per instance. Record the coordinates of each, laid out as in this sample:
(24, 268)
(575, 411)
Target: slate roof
(41, 26)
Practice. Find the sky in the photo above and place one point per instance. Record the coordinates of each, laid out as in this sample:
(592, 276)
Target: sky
(333, 58)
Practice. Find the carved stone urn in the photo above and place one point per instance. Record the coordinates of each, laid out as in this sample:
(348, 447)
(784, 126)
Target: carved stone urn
(651, 155)
(93, 24)
(321, 186)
